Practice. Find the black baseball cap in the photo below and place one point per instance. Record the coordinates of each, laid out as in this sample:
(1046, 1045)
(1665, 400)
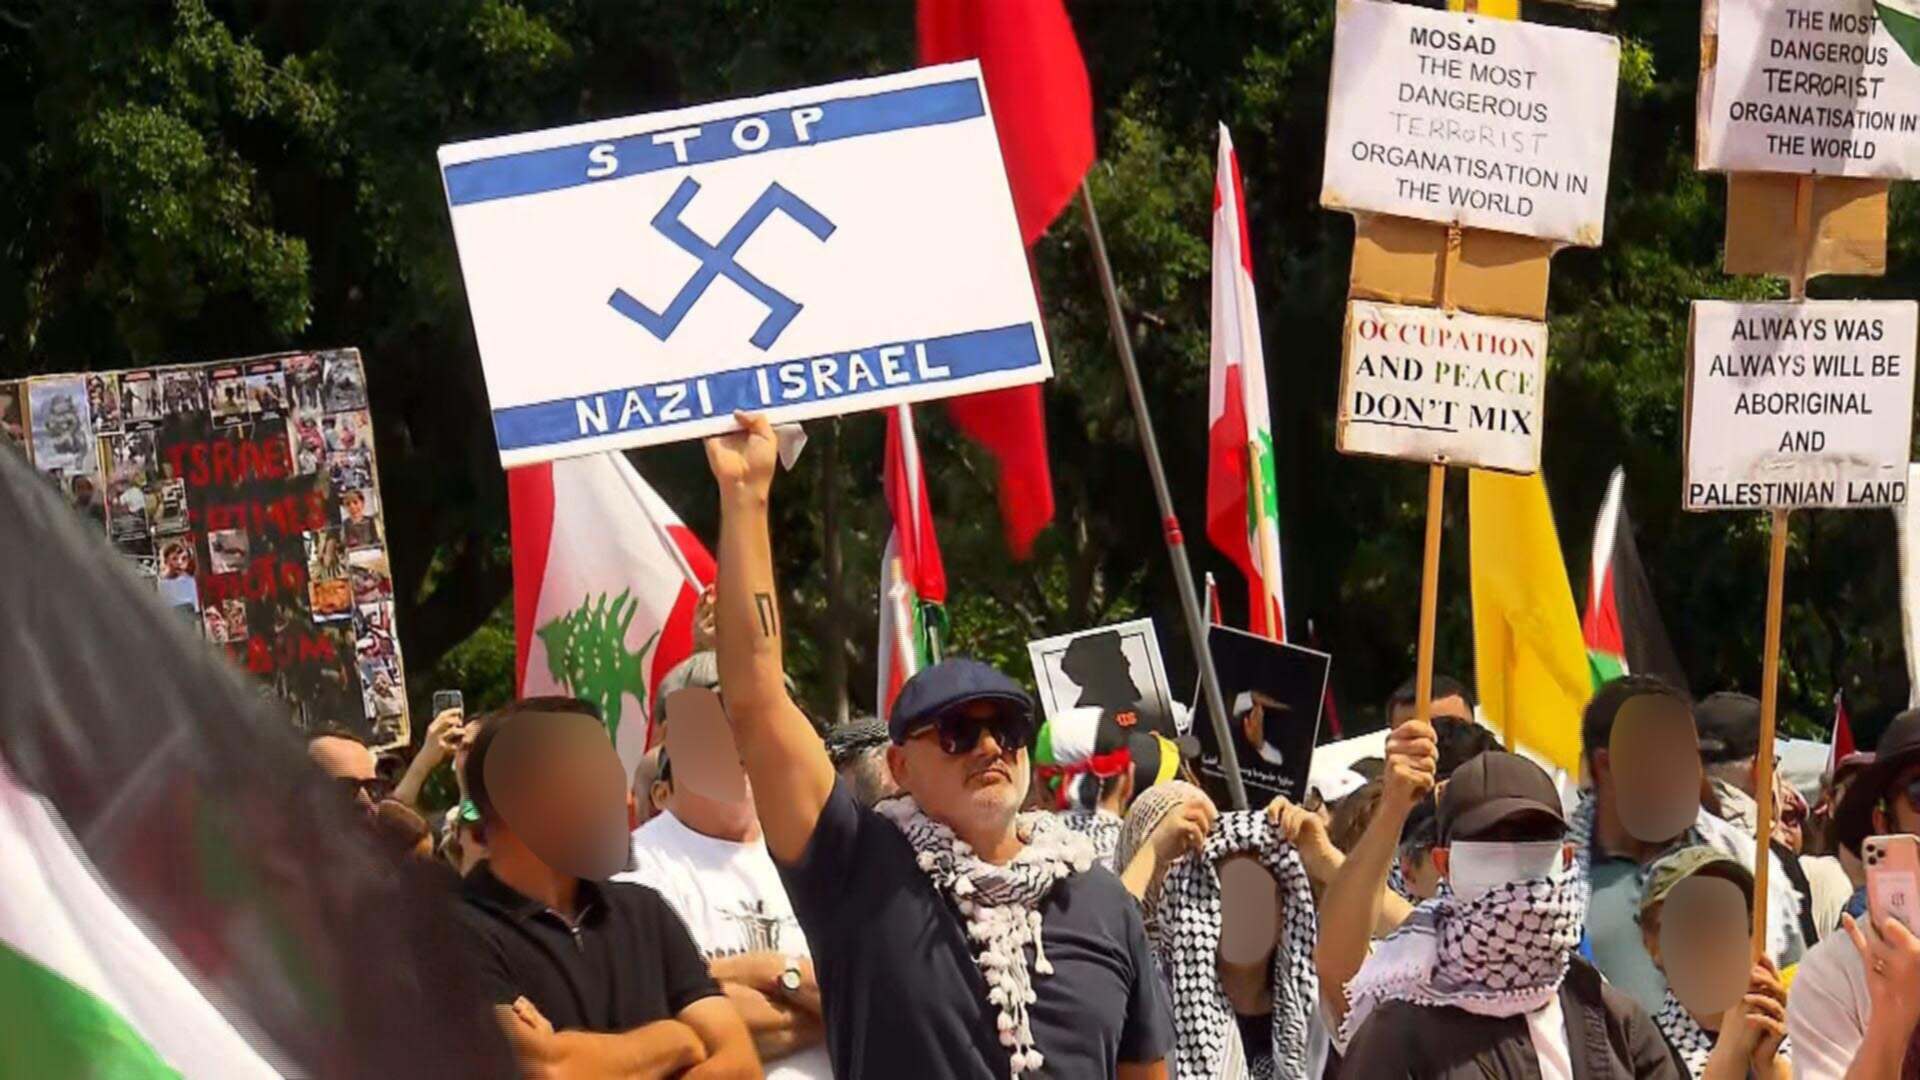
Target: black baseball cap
(1493, 789)
(1729, 726)
(947, 685)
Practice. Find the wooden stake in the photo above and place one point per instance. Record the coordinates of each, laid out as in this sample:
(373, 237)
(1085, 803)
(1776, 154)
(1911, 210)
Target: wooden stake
(1769, 704)
(1802, 233)
(1429, 593)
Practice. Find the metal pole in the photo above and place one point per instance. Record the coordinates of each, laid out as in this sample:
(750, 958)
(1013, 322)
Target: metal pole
(1170, 525)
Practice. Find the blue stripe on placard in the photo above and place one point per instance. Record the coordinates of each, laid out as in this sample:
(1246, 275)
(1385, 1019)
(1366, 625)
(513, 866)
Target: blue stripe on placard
(533, 171)
(849, 375)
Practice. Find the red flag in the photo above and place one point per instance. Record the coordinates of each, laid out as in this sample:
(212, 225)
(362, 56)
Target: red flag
(1841, 744)
(913, 581)
(1043, 111)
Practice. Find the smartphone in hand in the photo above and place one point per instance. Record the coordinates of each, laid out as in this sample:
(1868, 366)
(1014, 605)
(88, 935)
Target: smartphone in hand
(1893, 879)
(449, 699)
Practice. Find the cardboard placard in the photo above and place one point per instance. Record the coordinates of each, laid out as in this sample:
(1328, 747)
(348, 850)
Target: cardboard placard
(1399, 261)
(802, 254)
(1273, 692)
(1427, 385)
(1472, 121)
(1847, 234)
(1805, 404)
(1810, 87)
(1117, 668)
(246, 493)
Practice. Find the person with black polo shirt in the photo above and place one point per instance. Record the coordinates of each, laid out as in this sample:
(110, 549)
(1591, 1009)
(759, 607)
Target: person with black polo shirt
(590, 977)
(953, 936)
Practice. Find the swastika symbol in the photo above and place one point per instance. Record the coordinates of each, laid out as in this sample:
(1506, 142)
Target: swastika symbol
(718, 259)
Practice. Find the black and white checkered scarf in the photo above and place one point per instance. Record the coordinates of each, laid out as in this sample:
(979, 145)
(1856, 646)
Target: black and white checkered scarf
(1503, 954)
(1099, 826)
(1187, 926)
(1001, 906)
(1694, 1042)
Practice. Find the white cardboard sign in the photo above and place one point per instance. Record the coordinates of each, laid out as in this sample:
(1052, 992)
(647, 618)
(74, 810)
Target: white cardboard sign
(1469, 120)
(1116, 668)
(1804, 404)
(802, 254)
(1808, 87)
(1424, 385)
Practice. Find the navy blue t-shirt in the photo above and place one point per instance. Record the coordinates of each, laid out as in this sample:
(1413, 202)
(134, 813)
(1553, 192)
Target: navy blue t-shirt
(903, 995)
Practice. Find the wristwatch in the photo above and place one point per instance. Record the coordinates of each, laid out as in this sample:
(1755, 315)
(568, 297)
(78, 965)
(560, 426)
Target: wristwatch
(790, 975)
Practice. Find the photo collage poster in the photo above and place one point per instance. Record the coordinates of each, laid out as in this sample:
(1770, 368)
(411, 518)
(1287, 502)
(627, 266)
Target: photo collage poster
(247, 493)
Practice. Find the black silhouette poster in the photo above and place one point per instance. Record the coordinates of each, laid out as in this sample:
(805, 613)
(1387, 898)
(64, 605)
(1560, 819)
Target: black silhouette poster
(1273, 694)
(1116, 668)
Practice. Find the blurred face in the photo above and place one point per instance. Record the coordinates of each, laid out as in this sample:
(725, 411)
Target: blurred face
(1651, 768)
(1249, 911)
(557, 782)
(348, 762)
(1699, 938)
(1898, 812)
(974, 790)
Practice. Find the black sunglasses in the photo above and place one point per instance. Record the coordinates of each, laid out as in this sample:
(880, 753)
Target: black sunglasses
(373, 788)
(959, 732)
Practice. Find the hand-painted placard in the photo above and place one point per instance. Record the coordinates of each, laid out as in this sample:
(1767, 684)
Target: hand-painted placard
(245, 492)
(1471, 121)
(1428, 385)
(1807, 87)
(1805, 404)
(802, 254)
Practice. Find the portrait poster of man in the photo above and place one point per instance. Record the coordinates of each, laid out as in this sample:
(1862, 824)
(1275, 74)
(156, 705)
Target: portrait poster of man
(1273, 692)
(1116, 668)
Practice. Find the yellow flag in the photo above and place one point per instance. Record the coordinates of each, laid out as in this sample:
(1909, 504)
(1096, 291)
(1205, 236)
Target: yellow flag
(1498, 9)
(1529, 659)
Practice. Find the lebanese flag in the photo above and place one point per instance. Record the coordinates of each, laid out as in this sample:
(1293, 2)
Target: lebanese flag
(1244, 525)
(913, 581)
(1622, 625)
(1032, 67)
(605, 582)
(1840, 743)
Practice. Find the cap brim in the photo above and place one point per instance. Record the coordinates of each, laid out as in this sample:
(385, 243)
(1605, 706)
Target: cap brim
(1019, 702)
(1485, 816)
(1853, 819)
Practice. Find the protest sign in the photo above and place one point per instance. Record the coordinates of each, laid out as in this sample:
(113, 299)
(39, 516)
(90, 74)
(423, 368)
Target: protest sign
(1274, 692)
(1116, 668)
(802, 254)
(1429, 385)
(1811, 86)
(245, 494)
(1470, 121)
(1806, 404)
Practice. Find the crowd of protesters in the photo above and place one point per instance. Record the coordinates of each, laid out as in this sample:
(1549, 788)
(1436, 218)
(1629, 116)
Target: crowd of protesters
(957, 890)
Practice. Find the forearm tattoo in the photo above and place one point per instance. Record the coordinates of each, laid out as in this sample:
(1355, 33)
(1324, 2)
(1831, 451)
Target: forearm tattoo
(769, 614)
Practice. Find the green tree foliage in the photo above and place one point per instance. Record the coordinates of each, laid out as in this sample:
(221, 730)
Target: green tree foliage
(203, 179)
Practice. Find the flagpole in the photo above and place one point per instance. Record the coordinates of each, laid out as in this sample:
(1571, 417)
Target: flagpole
(1170, 524)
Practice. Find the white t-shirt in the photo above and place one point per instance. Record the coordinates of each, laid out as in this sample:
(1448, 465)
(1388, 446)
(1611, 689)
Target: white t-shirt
(731, 898)
(1828, 1010)
(1547, 1027)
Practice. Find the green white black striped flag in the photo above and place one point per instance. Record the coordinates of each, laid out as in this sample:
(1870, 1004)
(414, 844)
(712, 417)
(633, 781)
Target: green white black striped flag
(181, 893)
(1902, 20)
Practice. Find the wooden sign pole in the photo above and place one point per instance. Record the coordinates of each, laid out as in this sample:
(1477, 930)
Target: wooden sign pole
(1429, 593)
(1770, 660)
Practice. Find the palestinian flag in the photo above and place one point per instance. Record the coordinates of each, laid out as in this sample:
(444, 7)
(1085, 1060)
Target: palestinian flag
(913, 582)
(1840, 743)
(1242, 507)
(606, 579)
(1902, 20)
(181, 892)
(1622, 626)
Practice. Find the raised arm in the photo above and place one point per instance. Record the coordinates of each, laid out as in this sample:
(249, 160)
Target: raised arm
(785, 760)
(1356, 901)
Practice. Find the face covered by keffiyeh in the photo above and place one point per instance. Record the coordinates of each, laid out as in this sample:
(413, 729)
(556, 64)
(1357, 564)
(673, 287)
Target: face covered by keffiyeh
(1001, 906)
(1187, 928)
(1502, 954)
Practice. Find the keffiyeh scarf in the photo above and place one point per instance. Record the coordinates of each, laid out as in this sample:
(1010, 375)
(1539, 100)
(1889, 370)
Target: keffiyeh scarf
(1694, 1042)
(1001, 906)
(1100, 827)
(1187, 928)
(1713, 832)
(1503, 954)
